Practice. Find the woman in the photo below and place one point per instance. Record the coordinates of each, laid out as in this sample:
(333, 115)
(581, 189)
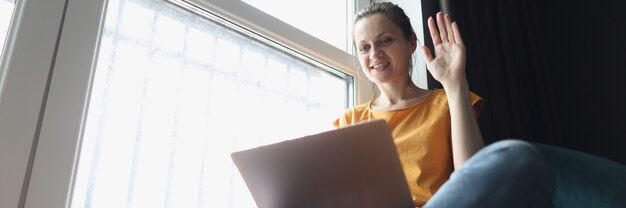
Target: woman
(435, 131)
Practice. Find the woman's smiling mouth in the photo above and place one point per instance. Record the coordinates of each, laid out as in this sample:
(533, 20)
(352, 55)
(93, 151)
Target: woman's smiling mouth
(380, 66)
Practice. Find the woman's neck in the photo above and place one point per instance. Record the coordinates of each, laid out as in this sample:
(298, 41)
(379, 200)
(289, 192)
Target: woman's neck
(397, 92)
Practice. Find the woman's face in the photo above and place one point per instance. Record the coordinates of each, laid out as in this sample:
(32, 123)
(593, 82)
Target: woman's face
(383, 51)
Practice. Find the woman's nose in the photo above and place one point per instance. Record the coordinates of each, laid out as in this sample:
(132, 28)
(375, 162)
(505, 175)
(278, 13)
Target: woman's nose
(376, 52)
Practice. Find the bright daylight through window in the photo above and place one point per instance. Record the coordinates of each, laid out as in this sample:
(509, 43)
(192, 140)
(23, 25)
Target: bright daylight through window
(175, 93)
(331, 27)
(6, 11)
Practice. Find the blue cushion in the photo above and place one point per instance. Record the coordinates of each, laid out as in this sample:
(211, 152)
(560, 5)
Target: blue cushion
(585, 180)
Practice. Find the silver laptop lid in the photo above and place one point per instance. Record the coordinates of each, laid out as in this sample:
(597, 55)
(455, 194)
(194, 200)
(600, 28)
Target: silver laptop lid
(354, 166)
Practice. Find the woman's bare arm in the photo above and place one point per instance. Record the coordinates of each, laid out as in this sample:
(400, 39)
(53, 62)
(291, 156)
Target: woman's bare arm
(448, 67)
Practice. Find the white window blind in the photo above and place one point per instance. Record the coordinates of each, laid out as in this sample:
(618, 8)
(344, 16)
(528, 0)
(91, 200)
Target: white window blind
(175, 93)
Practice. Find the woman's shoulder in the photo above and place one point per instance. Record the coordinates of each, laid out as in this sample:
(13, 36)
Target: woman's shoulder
(351, 115)
(440, 97)
(357, 109)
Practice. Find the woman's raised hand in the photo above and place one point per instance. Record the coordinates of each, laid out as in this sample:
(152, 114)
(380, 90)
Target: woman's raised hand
(448, 66)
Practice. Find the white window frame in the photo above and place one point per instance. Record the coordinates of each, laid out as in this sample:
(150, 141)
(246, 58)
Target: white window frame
(24, 73)
(45, 81)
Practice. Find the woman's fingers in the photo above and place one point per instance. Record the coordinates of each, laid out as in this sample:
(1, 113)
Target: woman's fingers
(457, 33)
(434, 34)
(443, 31)
(428, 56)
(451, 34)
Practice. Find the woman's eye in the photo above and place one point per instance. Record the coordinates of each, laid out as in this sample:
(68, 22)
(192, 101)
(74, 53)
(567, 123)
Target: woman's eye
(363, 49)
(385, 41)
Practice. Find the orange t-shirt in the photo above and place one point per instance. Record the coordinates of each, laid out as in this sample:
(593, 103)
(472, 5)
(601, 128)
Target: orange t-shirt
(422, 136)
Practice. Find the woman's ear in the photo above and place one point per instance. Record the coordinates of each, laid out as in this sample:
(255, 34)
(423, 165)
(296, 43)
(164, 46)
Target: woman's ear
(413, 42)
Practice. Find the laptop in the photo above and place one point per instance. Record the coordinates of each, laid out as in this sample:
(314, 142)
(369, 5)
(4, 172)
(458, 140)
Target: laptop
(353, 166)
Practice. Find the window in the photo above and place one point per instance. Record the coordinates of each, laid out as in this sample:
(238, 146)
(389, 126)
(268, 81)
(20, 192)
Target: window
(327, 20)
(6, 11)
(175, 93)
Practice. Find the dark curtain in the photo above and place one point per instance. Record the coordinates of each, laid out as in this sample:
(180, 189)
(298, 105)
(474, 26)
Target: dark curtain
(532, 62)
(588, 59)
(507, 66)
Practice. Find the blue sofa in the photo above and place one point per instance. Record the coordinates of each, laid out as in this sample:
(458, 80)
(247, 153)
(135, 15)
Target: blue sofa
(585, 180)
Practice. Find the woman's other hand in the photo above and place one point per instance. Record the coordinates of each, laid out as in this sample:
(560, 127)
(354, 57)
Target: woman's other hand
(448, 66)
